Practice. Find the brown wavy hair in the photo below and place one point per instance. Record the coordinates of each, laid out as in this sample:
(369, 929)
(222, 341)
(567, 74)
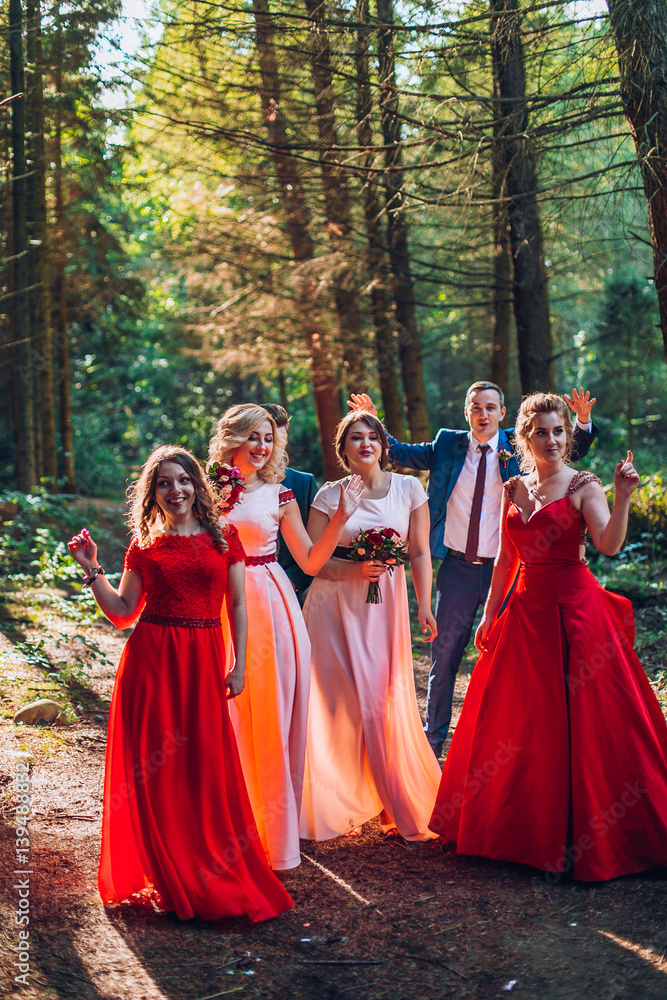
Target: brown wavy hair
(234, 427)
(539, 402)
(144, 510)
(343, 429)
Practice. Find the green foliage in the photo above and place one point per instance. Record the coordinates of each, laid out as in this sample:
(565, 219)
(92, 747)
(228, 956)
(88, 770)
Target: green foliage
(648, 509)
(31, 539)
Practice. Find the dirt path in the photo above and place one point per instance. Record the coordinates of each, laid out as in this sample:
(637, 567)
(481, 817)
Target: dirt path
(373, 919)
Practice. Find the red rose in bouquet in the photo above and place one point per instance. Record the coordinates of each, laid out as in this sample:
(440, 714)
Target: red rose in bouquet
(382, 545)
(229, 484)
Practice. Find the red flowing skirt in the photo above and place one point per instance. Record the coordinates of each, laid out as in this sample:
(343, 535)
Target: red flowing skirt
(177, 822)
(559, 759)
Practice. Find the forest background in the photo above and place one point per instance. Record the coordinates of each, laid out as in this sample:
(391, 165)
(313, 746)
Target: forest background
(285, 201)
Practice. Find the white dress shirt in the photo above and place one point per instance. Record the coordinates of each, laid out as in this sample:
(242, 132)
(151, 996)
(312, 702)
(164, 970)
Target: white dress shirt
(459, 504)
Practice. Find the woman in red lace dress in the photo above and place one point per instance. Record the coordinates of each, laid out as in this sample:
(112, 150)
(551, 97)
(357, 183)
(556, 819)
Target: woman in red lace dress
(559, 759)
(177, 828)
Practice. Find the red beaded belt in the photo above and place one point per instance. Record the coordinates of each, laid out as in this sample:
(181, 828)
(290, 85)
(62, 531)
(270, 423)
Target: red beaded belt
(260, 560)
(178, 622)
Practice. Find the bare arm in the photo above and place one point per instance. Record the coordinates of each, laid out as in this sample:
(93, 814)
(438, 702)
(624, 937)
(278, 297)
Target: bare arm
(123, 606)
(607, 530)
(311, 554)
(238, 621)
(422, 569)
(504, 572)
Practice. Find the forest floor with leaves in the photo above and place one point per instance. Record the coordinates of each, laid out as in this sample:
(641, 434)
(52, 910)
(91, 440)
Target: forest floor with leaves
(373, 918)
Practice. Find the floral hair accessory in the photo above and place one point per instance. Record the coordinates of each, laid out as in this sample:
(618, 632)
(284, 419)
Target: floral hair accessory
(229, 483)
(504, 456)
(384, 545)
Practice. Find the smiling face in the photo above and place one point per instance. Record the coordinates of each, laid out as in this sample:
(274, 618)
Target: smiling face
(484, 412)
(255, 451)
(548, 438)
(174, 491)
(362, 448)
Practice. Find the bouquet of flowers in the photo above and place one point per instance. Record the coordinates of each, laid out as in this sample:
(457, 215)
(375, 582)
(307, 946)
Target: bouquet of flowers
(384, 545)
(229, 483)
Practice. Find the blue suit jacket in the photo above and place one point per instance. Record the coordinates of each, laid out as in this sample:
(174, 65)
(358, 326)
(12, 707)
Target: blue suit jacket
(444, 457)
(304, 488)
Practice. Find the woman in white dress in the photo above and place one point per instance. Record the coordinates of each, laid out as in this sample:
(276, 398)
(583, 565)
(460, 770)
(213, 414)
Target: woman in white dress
(269, 717)
(366, 749)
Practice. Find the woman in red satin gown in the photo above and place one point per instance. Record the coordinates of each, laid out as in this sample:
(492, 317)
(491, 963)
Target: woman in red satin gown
(559, 759)
(177, 828)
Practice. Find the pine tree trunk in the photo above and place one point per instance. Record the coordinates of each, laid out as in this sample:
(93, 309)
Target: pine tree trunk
(639, 28)
(336, 201)
(40, 258)
(409, 346)
(531, 306)
(502, 256)
(385, 346)
(62, 339)
(23, 370)
(323, 372)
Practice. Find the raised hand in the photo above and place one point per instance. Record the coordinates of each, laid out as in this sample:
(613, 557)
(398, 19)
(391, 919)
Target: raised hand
(83, 549)
(581, 404)
(362, 401)
(350, 496)
(626, 477)
(428, 625)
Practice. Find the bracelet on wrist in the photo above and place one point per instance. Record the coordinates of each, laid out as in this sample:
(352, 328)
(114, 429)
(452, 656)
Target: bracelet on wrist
(93, 575)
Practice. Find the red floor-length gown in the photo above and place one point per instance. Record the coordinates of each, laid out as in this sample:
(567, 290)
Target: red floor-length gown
(559, 759)
(177, 822)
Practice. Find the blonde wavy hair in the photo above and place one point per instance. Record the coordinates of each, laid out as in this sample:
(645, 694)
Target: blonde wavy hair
(539, 402)
(144, 510)
(234, 427)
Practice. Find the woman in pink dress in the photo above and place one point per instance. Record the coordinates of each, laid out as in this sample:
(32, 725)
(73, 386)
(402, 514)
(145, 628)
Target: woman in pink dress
(366, 749)
(559, 759)
(269, 718)
(177, 827)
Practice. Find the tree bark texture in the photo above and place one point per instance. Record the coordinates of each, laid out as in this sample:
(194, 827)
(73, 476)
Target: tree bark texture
(60, 296)
(336, 200)
(531, 305)
(40, 257)
(323, 370)
(409, 346)
(639, 28)
(23, 372)
(376, 256)
(502, 256)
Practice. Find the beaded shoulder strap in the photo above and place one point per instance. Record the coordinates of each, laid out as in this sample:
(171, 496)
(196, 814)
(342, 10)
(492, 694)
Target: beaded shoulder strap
(510, 485)
(580, 479)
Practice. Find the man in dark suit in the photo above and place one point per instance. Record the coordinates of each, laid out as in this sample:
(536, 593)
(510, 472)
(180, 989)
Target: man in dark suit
(304, 487)
(467, 470)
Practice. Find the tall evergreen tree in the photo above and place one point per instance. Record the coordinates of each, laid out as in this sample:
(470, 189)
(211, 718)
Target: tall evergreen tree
(24, 430)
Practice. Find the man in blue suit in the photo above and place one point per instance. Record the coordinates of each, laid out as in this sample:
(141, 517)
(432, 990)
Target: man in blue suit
(467, 470)
(304, 487)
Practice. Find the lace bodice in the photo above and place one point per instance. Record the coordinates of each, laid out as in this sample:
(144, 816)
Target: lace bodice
(185, 575)
(553, 533)
(257, 518)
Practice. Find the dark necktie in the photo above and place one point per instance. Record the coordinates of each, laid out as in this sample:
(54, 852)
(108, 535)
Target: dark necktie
(473, 528)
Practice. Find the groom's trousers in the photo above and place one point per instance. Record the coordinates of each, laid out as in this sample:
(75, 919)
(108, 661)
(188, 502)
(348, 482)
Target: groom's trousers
(460, 589)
